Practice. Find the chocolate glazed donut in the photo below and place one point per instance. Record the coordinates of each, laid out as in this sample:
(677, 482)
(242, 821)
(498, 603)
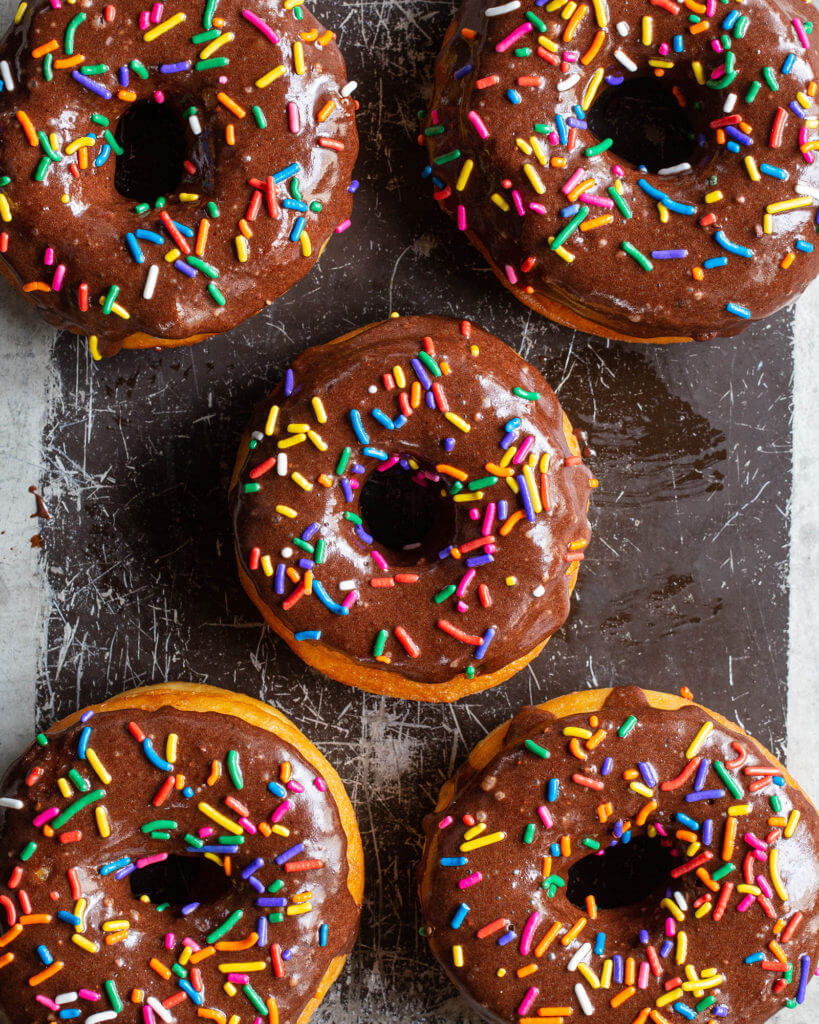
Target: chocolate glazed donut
(644, 172)
(177, 853)
(167, 173)
(410, 509)
(628, 856)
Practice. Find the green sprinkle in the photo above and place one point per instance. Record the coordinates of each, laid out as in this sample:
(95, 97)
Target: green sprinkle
(536, 21)
(5, 180)
(316, 207)
(103, 120)
(94, 69)
(162, 906)
(193, 840)
(48, 148)
(234, 770)
(160, 823)
(523, 51)
(295, 189)
(274, 887)
(78, 805)
(456, 487)
(275, 918)
(160, 203)
(485, 481)
(529, 833)
(160, 835)
(70, 32)
(211, 62)
(720, 873)
(28, 850)
(254, 998)
(142, 208)
(113, 996)
(753, 90)
(543, 129)
(298, 13)
(304, 545)
(110, 299)
(637, 256)
(619, 202)
(776, 804)
(216, 295)
(380, 643)
(530, 396)
(741, 27)
(206, 268)
(139, 69)
(225, 927)
(627, 726)
(353, 518)
(179, 971)
(592, 844)
(470, 672)
(205, 37)
(253, 488)
(570, 228)
(770, 79)
(213, 209)
(207, 22)
(230, 840)
(601, 147)
(341, 465)
(48, 67)
(730, 782)
(112, 142)
(442, 595)
(535, 748)
(435, 129)
(446, 158)
(83, 785)
(703, 1004)
(41, 739)
(258, 115)
(430, 364)
(321, 549)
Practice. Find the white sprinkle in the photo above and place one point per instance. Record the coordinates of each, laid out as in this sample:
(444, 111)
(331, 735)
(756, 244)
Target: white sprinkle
(347, 585)
(9, 801)
(567, 83)
(580, 956)
(5, 74)
(150, 282)
(257, 435)
(625, 60)
(66, 997)
(676, 169)
(681, 901)
(160, 1010)
(539, 591)
(287, 552)
(730, 102)
(623, 28)
(99, 1018)
(349, 89)
(496, 12)
(372, 389)
(281, 463)
(806, 190)
(196, 124)
(583, 999)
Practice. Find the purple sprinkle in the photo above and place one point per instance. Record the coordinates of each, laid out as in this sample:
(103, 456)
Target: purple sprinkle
(506, 938)
(188, 909)
(421, 373)
(648, 773)
(488, 637)
(358, 468)
(503, 509)
(290, 854)
(125, 871)
(362, 533)
(287, 955)
(573, 122)
(278, 582)
(261, 931)
(430, 400)
(288, 383)
(255, 883)
(669, 254)
(529, 508)
(449, 444)
(618, 828)
(445, 553)
(86, 715)
(473, 563)
(644, 936)
(91, 85)
(346, 489)
(508, 439)
(618, 969)
(124, 76)
(699, 778)
(666, 947)
(252, 868)
(705, 794)
(804, 978)
(306, 563)
(608, 764)
(170, 69)
(311, 531)
(462, 72)
(707, 832)
(271, 901)
(614, 79)
(187, 270)
(735, 133)
(354, 185)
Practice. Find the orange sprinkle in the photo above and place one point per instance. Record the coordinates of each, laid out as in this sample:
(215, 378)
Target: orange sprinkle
(28, 127)
(511, 522)
(325, 111)
(202, 236)
(126, 95)
(48, 47)
(69, 62)
(592, 51)
(36, 286)
(230, 134)
(548, 939)
(231, 105)
(49, 972)
(215, 773)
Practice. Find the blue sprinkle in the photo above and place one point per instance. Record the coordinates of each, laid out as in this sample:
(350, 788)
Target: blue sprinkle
(68, 1014)
(514, 96)
(298, 228)
(803, 246)
(554, 849)
(570, 211)
(735, 133)
(358, 427)
(600, 944)
(774, 172)
(183, 229)
(327, 601)
(730, 20)
(294, 204)
(562, 131)
(308, 634)
(685, 1011)
(64, 915)
(285, 173)
(261, 931)
(310, 531)
(323, 934)
(82, 745)
(149, 236)
(678, 44)
(187, 270)
(278, 579)
(91, 85)
(105, 152)
(362, 533)
(755, 958)
(477, 560)
(732, 146)
(108, 869)
(453, 862)
(683, 819)
(788, 63)
(733, 247)
(375, 453)
(644, 937)
(741, 311)
(187, 792)
(193, 995)
(45, 956)
(154, 758)
(513, 424)
(552, 790)
(459, 916)
(383, 419)
(277, 789)
(715, 261)
(804, 978)
(171, 69)
(648, 773)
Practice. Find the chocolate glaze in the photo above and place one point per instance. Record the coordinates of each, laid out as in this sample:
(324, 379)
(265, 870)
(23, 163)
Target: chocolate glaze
(88, 232)
(203, 738)
(604, 283)
(348, 375)
(506, 794)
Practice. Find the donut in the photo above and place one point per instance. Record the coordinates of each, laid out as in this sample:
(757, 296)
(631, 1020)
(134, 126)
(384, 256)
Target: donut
(641, 171)
(409, 509)
(177, 852)
(623, 855)
(165, 173)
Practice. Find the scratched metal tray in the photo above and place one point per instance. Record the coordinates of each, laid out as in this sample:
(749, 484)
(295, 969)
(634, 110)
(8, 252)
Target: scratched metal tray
(684, 582)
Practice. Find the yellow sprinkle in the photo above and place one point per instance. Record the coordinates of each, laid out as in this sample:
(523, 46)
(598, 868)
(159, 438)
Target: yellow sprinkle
(591, 88)
(789, 204)
(669, 997)
(511, 581)
(298, 57)
(115, 926)
(458, 956)
(538, 150)
(642, 789)
(270, 77)
(212, 47)
(86, 944)
(767, 223)
(94, 347)
(606, 973)
(171, 255)
(534, 179)
(280, 830)
(302, 481)
(219, 818)
(476, 830)
(488, 840)
(662, 209)
(306, 245)
(751, 168)
(699, 739)
(581, 734)
(500, 202)
(457, 421)
(534, 490)
(171, 747)
(188, 197)
(65, 788)
(164, 26)
(589, 975)
(241, 248)
(473, 496)
(242, 967)
(270, 422)
(297, 428)
(103, 825)
(682, 948)
(463, 178)
(317, 440)
(292, 441)
(673, 909)
(286, 510)
(21, 10)
(524, 147)
(776, 881)
(699, 74)
(301, 908)
(793, 821)
(318, 409)
(713, 197)
(266, 562)
(601, 13)
(399, 376)
(647, 30)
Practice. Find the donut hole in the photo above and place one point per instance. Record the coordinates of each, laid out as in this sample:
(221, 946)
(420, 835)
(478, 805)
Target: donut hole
(648, 126)
(179, 880)
(622, 876)
(153, 139)
(407, 513)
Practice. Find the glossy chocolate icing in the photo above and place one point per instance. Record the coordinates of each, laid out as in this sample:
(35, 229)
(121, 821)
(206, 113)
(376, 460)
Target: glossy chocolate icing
(203, 738)
(478, 90)
(505, 797)
(87, 231)
(482, 373)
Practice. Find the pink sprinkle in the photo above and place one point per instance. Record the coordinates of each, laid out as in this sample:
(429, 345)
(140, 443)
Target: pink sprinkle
(461, 217)
(466, 579)
(523, 451)
(800, 31)
(660, 829)
(670, 927)
(392, 461)
(170, 940)
(48, 1002)
(41, 819)
(757, 844)
(528, 933)
(517, 199)
(718, 72)
(617, 170)
(48, 257)
(573, 180)
(295, 787)
(86, 993)
(762, 882)
(56, 4)
(710, 8)
(511, 276)
(343, 226)
(320, 785)
(716, 46)
(808, 157)
(538, 208)
(293, 119)
(379, 560)
(445, 822)
(529, 998)
(239, 979)
(472, 879)
(350, 599)
(248, 826)
(257, 22)
(513, 37)
(478, 124)
(206, 831)
(192, 944)
(148, 1014)
(474, 515)
(545, 816)
(642, 975)
(434, 117)
(144, 20)
(554, 138)
(664, 49)
(159, 96)
(745, 903)
(155, 858)
(462, 607)
(156, 13)
(280, 811)
(591, 200)
(59, 277)
(488, 519)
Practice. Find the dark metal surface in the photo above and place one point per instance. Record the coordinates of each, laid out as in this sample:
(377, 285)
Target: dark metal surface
(684, 582)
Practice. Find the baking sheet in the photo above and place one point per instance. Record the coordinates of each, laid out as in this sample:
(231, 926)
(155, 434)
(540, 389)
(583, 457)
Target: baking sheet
(684, 583)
